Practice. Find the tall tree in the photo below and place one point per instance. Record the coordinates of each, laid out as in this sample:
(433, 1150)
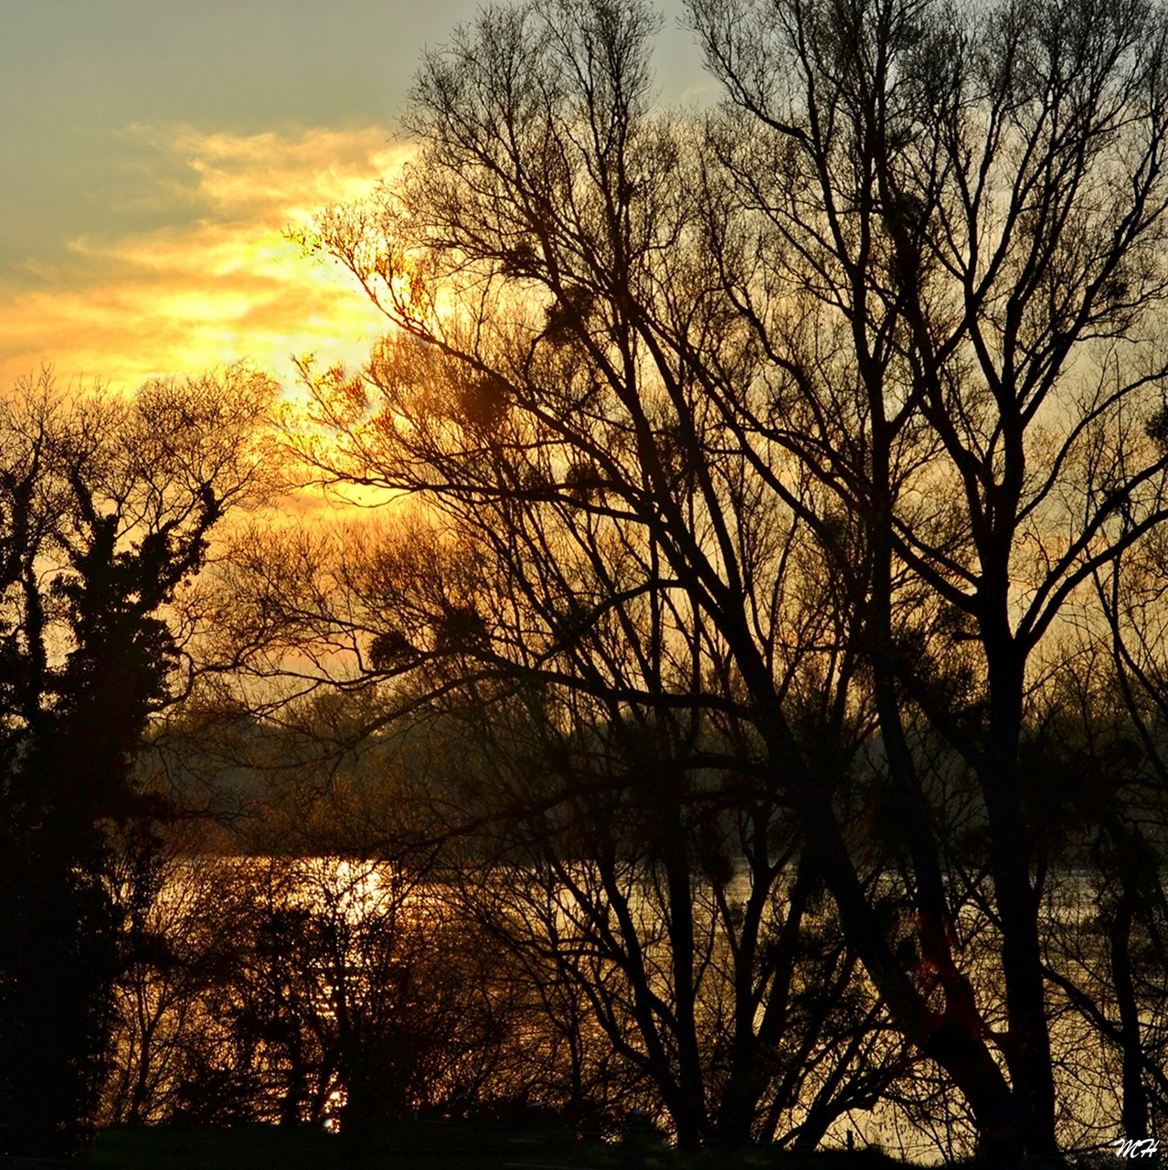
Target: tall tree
(977, 202)
(596, 509)
(106, 508)
(901, 299)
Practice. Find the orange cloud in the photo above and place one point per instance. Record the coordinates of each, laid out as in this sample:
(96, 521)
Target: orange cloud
(217, 281)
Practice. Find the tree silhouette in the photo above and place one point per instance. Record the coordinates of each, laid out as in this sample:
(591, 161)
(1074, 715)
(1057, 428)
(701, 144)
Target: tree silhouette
(818, 420)
(106, 509)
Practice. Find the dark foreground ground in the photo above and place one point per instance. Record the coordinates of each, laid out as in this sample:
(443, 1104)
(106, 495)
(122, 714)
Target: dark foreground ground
(434, 1147)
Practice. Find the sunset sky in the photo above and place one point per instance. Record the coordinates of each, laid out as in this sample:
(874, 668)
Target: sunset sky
(154, 152)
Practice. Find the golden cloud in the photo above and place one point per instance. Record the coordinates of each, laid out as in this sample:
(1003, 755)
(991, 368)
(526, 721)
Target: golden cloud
(216, 283)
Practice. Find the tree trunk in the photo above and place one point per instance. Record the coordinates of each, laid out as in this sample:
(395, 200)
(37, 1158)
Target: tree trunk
(1027, 1045)
(1134, 1107)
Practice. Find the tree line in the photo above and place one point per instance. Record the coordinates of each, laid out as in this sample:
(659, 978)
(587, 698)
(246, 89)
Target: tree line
(766, 596)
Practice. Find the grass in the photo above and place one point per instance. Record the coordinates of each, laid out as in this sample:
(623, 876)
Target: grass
(434, 1147)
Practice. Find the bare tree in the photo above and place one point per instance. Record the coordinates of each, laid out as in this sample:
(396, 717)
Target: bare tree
(977, 203)
(601, 535)
(856, 388)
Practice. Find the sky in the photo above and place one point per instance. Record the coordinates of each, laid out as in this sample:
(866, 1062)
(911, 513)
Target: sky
(155, 152)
